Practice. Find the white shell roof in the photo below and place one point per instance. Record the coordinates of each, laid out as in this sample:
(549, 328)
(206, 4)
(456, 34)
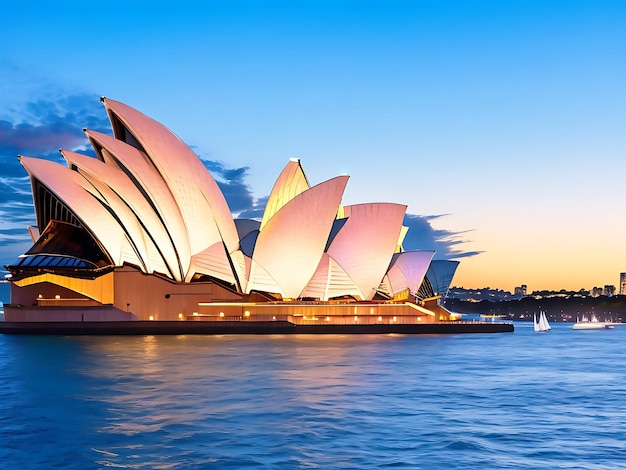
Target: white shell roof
(157, 194)
(291, 182)
(365, 244)
(135, 213)
(292, 242)
(202, 204)
(408, 269)
(330, 280)
(81, 198)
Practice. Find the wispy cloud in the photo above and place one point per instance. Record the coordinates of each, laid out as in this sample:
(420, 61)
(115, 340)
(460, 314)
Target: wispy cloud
(232, 182)
(256, 210)
(15, 187)
(39, 128)
(423, 236)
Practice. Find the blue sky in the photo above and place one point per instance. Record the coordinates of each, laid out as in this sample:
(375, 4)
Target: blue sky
(499, 123)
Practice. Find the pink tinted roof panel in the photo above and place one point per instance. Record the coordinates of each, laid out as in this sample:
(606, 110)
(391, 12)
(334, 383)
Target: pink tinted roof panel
(201, 202)
(291, 244)
(77, 194)
(365, 244)
(136, 163)
(130, 205)
(408, 269)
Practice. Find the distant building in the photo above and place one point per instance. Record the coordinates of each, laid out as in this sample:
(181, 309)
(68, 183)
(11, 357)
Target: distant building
(596, 292)
(521, 290)
(609, 290)
(622, 283)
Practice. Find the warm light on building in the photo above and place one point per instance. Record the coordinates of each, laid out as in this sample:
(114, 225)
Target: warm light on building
(141, 222)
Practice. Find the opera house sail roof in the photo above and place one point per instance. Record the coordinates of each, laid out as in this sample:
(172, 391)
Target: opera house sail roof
(143, 231)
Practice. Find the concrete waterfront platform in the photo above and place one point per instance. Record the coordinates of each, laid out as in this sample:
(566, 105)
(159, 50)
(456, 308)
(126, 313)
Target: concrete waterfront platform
(241, 327)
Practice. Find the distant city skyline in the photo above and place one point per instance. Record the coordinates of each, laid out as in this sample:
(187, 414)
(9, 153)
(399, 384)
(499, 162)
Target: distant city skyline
(500, 124)
(476, 294)
(524, 289)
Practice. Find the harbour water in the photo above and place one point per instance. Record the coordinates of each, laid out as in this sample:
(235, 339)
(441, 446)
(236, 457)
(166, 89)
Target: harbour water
(519, 400)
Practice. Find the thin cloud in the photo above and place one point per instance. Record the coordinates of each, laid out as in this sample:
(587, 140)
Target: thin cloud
(44, 126)
(15, 189)
(18, 185)
(423, 236)
(40, 137)
(256, 211)
(232, 183)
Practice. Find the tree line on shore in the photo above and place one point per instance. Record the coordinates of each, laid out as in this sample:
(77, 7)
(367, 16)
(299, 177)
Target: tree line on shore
(557, 309)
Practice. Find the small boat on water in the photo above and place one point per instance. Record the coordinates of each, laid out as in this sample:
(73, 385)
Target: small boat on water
(541, 324)
(592, 324)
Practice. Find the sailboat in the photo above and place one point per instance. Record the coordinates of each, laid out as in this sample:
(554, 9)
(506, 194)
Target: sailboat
(541, 324)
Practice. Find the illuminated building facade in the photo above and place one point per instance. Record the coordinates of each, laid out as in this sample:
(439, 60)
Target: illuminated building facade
(143, 232)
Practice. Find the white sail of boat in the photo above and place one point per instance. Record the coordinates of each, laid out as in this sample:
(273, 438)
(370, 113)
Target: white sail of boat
(541, 323)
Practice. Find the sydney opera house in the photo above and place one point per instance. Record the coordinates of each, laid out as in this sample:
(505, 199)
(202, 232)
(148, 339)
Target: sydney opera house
(142, 235)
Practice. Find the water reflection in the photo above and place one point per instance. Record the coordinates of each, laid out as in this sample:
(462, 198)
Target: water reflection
(230, 393)
(474, 401)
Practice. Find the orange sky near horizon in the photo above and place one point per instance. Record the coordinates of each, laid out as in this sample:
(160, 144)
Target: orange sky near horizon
(545, 256)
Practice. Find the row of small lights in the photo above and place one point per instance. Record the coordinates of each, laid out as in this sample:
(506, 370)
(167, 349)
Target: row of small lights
(195, 314)
(247, 315)
(356, 318)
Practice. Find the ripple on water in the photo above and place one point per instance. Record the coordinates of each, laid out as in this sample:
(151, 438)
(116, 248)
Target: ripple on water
(519, 401)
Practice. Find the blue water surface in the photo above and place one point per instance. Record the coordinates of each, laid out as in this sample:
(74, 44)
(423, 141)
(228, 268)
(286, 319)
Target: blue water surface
(520, 400)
